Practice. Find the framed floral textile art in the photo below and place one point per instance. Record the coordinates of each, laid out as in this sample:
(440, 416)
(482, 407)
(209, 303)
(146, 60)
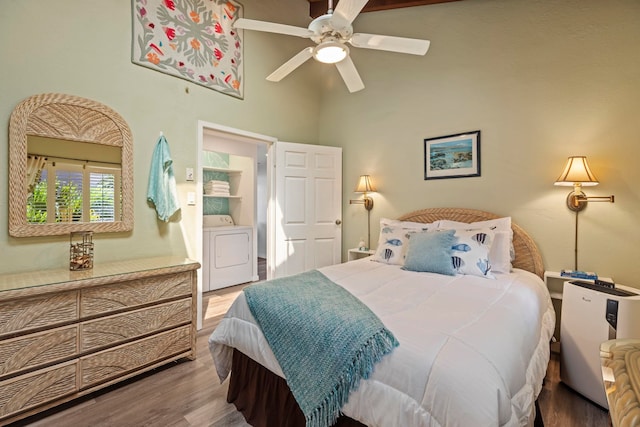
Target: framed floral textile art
(190, 39)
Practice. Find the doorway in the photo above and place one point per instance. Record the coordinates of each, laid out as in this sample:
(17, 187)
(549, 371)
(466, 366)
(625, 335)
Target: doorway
(294, 209)
(238, 158)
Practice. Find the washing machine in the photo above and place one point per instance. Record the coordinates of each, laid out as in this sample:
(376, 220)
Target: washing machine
(227, 253)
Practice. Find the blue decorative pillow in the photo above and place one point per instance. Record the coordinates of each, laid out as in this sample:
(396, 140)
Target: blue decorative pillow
(471, 252)
(431, 252)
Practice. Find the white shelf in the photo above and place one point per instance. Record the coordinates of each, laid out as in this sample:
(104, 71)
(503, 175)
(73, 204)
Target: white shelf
(223, 197)
(224, 170)
(227, 171)
(557, 295)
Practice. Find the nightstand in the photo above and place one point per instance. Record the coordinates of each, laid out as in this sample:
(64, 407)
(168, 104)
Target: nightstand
(555, 283)
(356, 253)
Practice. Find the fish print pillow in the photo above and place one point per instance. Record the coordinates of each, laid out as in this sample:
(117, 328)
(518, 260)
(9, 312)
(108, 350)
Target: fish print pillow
(470, 253)
(502, 251)
(392, 243)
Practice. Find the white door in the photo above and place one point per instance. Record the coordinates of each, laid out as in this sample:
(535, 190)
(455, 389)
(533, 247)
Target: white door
(307, 207)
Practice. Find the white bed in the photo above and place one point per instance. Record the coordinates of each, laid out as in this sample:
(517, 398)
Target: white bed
(473, 351)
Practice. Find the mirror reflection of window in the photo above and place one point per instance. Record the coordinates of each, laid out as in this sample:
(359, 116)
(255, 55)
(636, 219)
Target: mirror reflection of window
(35, 165)
(69, 128)
(69, 190)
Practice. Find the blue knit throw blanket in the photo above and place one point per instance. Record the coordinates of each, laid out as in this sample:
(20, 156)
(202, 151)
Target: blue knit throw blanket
(324, 338)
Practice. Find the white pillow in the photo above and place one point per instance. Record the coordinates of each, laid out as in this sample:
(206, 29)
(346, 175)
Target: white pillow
(502, 252)
(392, 244)
(470, 253)
(409, 224)
(393, 239)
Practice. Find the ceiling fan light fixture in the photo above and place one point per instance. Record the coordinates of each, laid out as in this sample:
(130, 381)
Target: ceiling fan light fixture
(330, 52)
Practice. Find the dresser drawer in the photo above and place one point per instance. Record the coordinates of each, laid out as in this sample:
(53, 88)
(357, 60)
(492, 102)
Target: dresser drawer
(37, 349)
(28, 391)
(38, 312)
(119, 361)
(125, 326)
(120, 296)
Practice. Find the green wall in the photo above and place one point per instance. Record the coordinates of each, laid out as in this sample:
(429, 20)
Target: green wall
(542, 80)
(83, 48)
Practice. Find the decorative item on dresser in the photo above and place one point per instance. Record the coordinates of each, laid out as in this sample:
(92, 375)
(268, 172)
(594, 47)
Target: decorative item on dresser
(64, 334)
(81, 250)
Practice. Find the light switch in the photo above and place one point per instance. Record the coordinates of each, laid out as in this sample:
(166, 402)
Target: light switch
(190, 174)
(191, 198)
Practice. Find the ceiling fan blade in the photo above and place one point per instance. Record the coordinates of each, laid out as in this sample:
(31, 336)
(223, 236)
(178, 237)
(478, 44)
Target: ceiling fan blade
(390, 43)
(350, 75)
(345, 12)
(286, 68)
(272, 27)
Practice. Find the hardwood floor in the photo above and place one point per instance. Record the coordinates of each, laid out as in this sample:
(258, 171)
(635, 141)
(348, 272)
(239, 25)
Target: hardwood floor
(562, 407)
(189, 393)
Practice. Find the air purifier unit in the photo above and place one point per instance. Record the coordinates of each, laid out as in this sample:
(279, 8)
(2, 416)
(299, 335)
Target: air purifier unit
(592, 314)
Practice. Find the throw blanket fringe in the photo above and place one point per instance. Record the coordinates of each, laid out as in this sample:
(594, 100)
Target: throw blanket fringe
(375, 348)
(324, 338)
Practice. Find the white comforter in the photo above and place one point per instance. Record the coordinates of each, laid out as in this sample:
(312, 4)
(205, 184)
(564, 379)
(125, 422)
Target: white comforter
(473, 351)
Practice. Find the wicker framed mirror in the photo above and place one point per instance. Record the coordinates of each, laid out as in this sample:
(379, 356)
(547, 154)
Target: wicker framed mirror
(70, 167)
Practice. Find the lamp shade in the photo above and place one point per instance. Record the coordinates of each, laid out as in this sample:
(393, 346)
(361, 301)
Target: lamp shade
(577, 171)
(365, 185)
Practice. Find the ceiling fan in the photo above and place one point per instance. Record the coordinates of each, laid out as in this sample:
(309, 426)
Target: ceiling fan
(331, 32)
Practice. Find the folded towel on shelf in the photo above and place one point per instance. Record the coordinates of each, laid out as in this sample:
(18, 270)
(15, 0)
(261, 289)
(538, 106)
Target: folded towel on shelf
(216, 182)
(217, 185)
(218, 192)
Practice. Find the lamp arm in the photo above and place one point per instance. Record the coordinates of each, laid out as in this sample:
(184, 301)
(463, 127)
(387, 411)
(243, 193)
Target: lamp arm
(610, 198)
(578, 201)
(366, 201)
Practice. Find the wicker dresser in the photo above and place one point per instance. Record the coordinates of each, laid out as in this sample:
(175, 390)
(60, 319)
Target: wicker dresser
(64, 334)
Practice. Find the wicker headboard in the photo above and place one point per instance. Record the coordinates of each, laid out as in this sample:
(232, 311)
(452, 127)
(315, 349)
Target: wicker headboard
(527, 254)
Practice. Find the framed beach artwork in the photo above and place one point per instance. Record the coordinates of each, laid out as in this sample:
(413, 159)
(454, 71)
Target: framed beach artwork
(452, 156)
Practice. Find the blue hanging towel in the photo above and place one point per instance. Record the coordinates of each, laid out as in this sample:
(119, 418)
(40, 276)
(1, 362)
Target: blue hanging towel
(162, 184)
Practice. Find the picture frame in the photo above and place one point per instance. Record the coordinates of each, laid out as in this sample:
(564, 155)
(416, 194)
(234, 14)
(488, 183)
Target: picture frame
(452, 156)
